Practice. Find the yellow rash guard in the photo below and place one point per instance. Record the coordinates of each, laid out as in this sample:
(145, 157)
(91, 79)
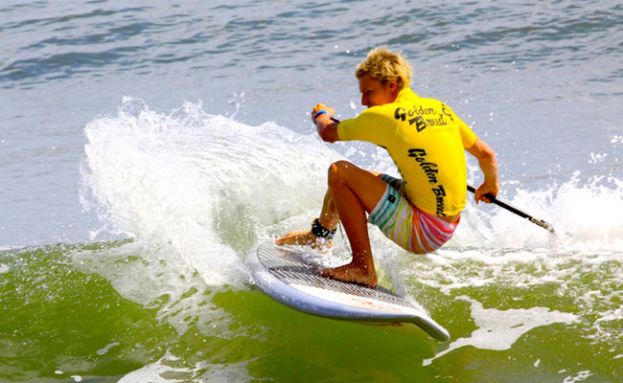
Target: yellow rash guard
(426, 140)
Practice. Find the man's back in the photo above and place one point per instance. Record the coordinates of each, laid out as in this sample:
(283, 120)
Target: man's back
(426, 140)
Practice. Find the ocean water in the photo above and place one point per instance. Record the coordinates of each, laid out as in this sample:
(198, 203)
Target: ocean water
(148, 148)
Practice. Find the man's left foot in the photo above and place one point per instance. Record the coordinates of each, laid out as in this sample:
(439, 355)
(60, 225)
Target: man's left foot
(351, 273)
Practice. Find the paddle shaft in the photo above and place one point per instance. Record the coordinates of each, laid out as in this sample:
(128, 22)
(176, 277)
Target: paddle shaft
(513, 209)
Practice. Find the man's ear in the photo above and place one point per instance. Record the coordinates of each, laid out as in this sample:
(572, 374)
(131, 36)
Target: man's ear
(393, 86)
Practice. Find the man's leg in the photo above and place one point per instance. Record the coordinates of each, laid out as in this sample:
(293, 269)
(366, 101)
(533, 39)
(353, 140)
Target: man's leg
(328, 218)
(355, 191)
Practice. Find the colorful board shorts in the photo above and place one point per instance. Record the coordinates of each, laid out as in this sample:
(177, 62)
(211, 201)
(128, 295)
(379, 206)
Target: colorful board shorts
(405, 224)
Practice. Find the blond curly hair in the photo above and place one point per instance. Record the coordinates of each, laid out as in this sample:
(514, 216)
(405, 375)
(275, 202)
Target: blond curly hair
(385, 66)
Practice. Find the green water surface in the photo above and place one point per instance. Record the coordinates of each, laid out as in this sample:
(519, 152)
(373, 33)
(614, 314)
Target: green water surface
(58, 324)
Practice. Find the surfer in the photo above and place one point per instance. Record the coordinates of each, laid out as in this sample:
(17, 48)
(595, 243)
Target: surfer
(426, 140)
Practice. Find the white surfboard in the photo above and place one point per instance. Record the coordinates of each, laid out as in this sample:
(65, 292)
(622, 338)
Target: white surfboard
(288, 275)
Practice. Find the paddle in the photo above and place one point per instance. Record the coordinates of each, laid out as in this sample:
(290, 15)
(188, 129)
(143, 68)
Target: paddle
(513, 209)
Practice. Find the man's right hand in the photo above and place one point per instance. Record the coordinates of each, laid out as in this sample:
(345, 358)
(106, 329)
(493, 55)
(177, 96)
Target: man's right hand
(485, 190)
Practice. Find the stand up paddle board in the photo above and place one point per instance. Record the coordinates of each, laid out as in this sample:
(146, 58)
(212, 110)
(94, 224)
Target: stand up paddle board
(289, 275)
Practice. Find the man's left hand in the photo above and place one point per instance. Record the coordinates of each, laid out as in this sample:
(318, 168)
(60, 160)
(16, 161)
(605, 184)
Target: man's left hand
(321, 109)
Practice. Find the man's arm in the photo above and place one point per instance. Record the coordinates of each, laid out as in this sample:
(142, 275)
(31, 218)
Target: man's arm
(489, 165)
(326, 126)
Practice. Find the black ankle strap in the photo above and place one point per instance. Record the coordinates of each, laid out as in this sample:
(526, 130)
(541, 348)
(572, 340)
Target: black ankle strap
(320, 231)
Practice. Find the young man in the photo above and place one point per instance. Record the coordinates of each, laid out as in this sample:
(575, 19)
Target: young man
(426, 140)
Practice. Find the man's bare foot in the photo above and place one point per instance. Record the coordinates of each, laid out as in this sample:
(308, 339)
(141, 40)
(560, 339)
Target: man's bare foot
(305, 238)
(351, 273)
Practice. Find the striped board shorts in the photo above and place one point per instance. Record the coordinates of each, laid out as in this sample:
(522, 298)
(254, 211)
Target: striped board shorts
(405, 224)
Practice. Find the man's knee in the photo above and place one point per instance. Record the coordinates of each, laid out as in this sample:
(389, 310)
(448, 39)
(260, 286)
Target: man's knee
(337, 171)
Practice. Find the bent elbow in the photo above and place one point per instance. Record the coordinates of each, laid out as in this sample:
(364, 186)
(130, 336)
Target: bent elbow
(488, 155)
(327, 137)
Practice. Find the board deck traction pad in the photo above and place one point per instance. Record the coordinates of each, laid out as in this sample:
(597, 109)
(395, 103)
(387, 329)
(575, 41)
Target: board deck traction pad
(284, 274)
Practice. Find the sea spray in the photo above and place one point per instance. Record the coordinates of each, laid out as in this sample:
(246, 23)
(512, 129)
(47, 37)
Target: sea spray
(200, 184)
(194, 193)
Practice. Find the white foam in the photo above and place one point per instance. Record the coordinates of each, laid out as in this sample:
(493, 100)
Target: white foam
(168, 370)
(196, 192)
(203, 185)
(107, 348)
(4, 268)
(500, 329)
(607, 327)
(616, 139)
(154, 372)
(579, 377)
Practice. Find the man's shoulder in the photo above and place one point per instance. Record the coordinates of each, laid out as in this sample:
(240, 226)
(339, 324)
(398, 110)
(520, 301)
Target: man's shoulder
(424, 101)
